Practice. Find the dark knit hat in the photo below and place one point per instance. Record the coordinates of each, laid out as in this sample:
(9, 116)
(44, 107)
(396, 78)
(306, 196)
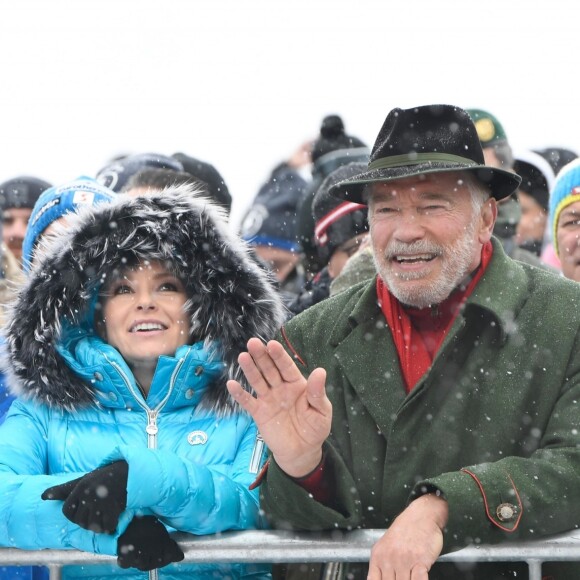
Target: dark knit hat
(537, 176)
(116, 174)
(333, 137)
(271, 221)
(489, 130)
(557, 157)
(216, 186)
(422, 140)
(21, 192)
(336, 220)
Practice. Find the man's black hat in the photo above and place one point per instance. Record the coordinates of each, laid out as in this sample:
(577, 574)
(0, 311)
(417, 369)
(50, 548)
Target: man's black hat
(427, 139)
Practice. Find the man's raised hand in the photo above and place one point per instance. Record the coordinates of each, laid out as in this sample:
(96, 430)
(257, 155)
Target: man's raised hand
(292, 413)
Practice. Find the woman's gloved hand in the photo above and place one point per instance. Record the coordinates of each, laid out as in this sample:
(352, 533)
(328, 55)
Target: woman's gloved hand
(146, 545)
(96, 500)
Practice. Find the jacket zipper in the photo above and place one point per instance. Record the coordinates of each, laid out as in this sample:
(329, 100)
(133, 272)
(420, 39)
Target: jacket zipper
(151, 429)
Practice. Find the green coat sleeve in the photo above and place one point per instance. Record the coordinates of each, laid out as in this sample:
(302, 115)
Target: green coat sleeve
(287, 504)
(519, 497)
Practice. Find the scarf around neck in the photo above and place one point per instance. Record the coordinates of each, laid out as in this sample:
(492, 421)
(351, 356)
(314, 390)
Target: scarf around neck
(419, 332)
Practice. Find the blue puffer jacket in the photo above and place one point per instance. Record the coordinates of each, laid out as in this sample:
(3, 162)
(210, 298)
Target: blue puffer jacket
(191, 453)
(5, 398)
(16, 572)
(196, 480)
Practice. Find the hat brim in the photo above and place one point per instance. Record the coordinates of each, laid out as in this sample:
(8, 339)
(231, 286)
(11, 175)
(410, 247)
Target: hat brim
(501, 183)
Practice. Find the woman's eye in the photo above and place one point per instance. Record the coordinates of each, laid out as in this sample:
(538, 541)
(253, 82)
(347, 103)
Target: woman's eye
(121, 289)
(168, 287)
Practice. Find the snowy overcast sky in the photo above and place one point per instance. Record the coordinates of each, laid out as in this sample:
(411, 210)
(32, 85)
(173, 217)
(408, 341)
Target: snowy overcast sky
(241, 83)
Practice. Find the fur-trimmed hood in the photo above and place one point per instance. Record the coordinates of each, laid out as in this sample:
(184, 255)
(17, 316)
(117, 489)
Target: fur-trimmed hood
(232, 299)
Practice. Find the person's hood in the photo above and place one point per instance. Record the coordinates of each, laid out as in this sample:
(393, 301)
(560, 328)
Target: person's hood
(231, 298)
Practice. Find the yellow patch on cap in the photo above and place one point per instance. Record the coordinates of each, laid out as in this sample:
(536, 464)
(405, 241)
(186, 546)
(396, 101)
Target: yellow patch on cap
(485, 130)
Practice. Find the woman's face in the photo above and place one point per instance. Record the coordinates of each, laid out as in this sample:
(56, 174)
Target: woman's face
(144, 313)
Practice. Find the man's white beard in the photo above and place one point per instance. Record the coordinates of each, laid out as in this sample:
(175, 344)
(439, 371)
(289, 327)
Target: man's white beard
(456, 260)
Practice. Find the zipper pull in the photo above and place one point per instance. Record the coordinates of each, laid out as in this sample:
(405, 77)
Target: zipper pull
(256, 459)
(152, 429)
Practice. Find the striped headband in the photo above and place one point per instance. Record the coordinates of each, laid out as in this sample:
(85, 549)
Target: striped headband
(322, 225)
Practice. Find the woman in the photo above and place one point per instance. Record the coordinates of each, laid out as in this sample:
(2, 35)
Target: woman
(119, 347)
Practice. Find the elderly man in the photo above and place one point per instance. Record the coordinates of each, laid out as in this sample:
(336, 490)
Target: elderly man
(441, 400)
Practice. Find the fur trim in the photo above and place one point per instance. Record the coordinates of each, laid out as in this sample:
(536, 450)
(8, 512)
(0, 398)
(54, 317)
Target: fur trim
(232, 299)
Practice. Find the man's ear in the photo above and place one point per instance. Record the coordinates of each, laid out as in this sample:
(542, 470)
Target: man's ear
(487, 220)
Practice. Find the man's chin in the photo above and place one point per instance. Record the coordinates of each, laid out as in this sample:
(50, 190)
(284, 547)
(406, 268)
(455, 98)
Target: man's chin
(16, 252)
(417, 297)
(412, 302)
(417, 293)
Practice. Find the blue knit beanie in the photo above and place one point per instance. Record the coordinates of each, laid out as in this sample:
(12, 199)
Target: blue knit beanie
(56, 202)
(566, 191)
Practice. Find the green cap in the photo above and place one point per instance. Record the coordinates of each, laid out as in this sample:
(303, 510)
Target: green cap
(489, 129)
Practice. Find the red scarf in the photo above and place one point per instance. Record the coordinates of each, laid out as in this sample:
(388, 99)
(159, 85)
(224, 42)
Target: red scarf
(419, 333)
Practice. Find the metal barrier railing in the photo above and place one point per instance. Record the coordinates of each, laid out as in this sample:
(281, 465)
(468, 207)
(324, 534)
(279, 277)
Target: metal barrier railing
(276, 546)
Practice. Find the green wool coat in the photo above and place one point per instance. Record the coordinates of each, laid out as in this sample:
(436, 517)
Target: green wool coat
(494, 422)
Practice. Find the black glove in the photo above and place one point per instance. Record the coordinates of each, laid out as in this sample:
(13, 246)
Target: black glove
(96, 500)
(146, 545)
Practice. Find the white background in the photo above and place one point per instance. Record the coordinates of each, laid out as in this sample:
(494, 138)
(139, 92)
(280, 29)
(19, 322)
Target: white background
(241, 83)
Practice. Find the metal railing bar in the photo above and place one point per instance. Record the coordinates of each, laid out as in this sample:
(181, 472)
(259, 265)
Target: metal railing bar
(276, 546)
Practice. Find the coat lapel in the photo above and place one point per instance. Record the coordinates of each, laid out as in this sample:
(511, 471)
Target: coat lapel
(366, 353)
(367, 357)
